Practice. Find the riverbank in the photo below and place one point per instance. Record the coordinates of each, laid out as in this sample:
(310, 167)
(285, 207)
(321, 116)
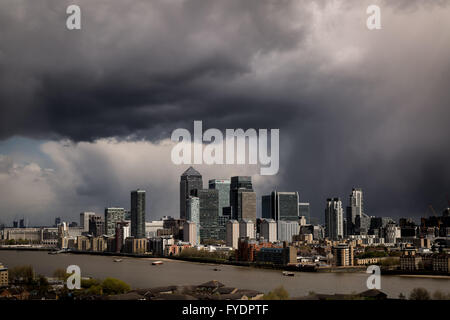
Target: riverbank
(140, 273)
(255, 265)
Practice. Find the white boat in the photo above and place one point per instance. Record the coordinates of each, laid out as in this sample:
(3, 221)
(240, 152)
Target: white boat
(288, 274)
(155, 263)
(117, 260)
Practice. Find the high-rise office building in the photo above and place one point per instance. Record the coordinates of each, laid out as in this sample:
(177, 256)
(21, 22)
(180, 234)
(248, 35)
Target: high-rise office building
(248, 206)
(138, 214)
(287, 229)
(242, 198)
(354, 209)
(281, 206)
(193, 213)
(304, 210)
(96, 225)
(232, 233)
(223, 186)
(268, 230)
(112, 216)
(208, 213)
(120, 235)
(190, 180)
(334, 219)
(84, 220)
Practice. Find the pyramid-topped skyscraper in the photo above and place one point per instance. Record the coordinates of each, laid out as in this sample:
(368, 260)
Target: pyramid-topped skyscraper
(190, 180)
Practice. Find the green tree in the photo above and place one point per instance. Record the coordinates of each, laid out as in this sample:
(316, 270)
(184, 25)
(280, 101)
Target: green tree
(87, 283)
(278, 293)
(114, 286)
(419, 294)
(95, 290)
(60, 274)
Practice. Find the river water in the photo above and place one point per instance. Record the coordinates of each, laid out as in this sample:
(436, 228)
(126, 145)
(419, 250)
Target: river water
(140, 273)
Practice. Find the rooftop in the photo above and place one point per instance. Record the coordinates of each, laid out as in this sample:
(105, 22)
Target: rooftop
(191, 172)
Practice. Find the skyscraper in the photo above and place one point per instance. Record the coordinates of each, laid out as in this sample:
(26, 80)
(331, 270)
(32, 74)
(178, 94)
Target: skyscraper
(96, 225)
(112, 216)
(138, 213)
(334, 219)
(193, 213)
(354, 209)
(248, 206)
(209, 213)
(304, 211)
(238, 186)
(281, 206)
(84, 220)
(223, 186)
(190, 180)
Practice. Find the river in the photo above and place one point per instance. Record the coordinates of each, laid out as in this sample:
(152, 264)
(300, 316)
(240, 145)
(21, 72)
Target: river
(140, 273)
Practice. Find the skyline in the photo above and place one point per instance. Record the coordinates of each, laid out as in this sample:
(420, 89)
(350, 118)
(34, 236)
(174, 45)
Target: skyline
(316, 219)
(86, 116)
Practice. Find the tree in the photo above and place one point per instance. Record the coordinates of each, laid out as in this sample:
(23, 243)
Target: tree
(278, 293)
(401, 296)
(87, 283)
(95, 290)
(42, 284)
(61, 274)
(419, 294)
(114, 286)
(439, 295)
(22, 273)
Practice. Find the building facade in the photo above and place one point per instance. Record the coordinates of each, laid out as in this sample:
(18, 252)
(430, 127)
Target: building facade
(112, 216)
(223, 187)
(247, 229)
(268, 230)
(190, 233)
(334, 219)
(286, 230)
(242, 206)
(190, 180)
(138, 213)
(232, 234)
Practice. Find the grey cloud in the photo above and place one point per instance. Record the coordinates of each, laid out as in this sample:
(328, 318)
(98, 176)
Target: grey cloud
(354, 108)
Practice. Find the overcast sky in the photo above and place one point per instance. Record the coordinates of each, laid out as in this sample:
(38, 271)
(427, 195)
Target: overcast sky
(86, 115)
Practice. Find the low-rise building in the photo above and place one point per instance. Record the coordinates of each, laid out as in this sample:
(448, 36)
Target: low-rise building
(409, 261)
(135, 245)
(3, 276)
(343, 255)
(280, 256)
(441, 263)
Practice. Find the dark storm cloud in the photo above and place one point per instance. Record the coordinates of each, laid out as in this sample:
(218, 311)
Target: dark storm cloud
(355, 108)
